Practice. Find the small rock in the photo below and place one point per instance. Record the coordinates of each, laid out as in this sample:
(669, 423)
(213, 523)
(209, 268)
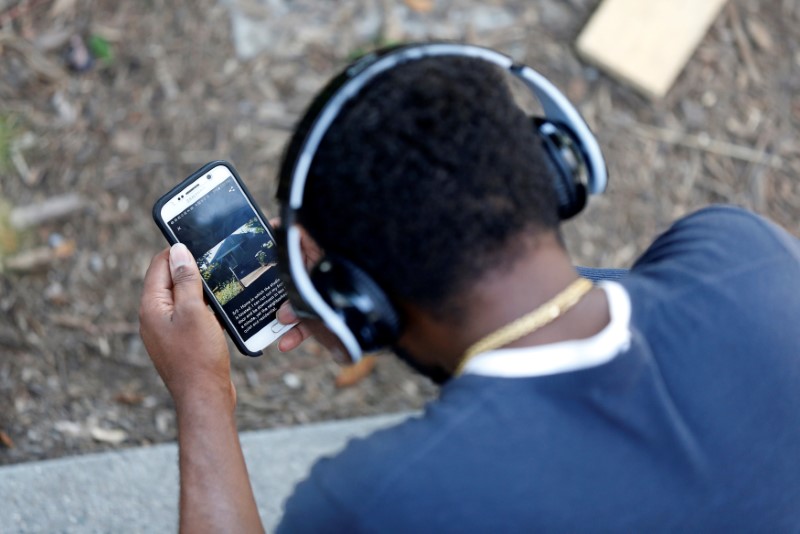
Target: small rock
(127, 142)
(67, 112)
(149, 402)
(104, 346)
(163, 421)
(251, 376)
(55, 294)
(55, 240)
(591, 74)
(78, 57)
(694, 113)
(292, 381)
(29, 373)
(709, 99)
(69, 428)
(136, 355)
(410, 388)
(108, 435)
(22, 404)
(96, 263)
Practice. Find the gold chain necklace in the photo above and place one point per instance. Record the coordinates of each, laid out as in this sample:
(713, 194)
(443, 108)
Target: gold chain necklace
(530, 322)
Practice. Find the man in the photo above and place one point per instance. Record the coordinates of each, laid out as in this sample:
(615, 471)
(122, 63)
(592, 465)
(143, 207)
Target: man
(667, 401)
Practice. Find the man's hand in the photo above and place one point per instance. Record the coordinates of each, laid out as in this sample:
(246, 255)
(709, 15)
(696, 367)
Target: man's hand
(181, 334)
(187, 346)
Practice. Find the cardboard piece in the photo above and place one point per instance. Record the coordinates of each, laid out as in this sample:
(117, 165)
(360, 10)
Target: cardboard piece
(646, 43)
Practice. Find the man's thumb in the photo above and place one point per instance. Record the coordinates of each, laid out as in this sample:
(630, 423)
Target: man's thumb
(185, 275)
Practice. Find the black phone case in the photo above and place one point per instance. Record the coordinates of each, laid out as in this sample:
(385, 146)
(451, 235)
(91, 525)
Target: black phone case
(163, 227)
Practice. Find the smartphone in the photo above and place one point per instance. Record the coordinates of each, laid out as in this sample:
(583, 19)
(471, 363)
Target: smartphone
(214, 215)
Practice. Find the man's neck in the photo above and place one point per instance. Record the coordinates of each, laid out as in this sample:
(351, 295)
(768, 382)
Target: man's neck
(540, 273)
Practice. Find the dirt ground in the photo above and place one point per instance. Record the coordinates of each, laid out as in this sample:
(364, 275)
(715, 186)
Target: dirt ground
(166, 93)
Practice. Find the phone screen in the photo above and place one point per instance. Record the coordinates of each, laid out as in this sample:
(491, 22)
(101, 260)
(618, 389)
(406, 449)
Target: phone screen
(234, 250)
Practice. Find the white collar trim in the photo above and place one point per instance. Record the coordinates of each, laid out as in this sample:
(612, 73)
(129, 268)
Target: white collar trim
(564, 356)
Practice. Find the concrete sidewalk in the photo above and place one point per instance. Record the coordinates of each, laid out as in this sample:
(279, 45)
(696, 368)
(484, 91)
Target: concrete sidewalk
(136, 490)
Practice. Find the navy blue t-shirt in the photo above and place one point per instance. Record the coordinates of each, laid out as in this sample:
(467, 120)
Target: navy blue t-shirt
(695, 427)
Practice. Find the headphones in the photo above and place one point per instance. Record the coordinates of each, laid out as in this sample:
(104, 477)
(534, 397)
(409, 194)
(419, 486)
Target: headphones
(355, 312)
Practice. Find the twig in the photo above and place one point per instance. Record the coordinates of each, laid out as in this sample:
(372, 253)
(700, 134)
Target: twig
(48, 210)
(717, 181)
(756, 173)
(20, 9)
(82, 323)
(37, 258)
(707, 144)
(743, 43)
(40, 64)
(20, 164)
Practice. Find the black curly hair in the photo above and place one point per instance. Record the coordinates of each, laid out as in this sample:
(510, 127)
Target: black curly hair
(428, 179)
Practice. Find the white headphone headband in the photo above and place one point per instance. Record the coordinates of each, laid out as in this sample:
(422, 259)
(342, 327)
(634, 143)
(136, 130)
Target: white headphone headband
(346, 87)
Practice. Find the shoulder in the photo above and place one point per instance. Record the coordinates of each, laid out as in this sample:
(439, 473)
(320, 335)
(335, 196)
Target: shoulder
(345, 491)
(729, 220)
(722, 231)
(715, 268)
(716, 243)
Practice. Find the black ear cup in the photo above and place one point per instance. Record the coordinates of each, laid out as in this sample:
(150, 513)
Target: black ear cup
(568, 165)
(358, 300)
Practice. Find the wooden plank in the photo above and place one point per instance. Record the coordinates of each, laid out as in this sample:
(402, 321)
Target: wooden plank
(646, 43)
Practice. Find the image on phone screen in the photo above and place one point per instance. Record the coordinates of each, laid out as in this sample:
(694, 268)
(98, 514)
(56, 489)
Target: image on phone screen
(234, 250)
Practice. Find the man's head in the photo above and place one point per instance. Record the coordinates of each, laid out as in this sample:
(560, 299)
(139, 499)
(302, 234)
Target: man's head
(429, 179)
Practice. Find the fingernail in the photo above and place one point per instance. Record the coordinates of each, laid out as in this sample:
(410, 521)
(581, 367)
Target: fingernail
(286, 314)
(179, 256)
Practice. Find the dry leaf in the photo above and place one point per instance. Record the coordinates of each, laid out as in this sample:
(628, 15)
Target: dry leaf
(65, 249)
(352, 375)
(109, 435)
(421, 6)
(131, 398)
(6, 441)
(760, 34)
